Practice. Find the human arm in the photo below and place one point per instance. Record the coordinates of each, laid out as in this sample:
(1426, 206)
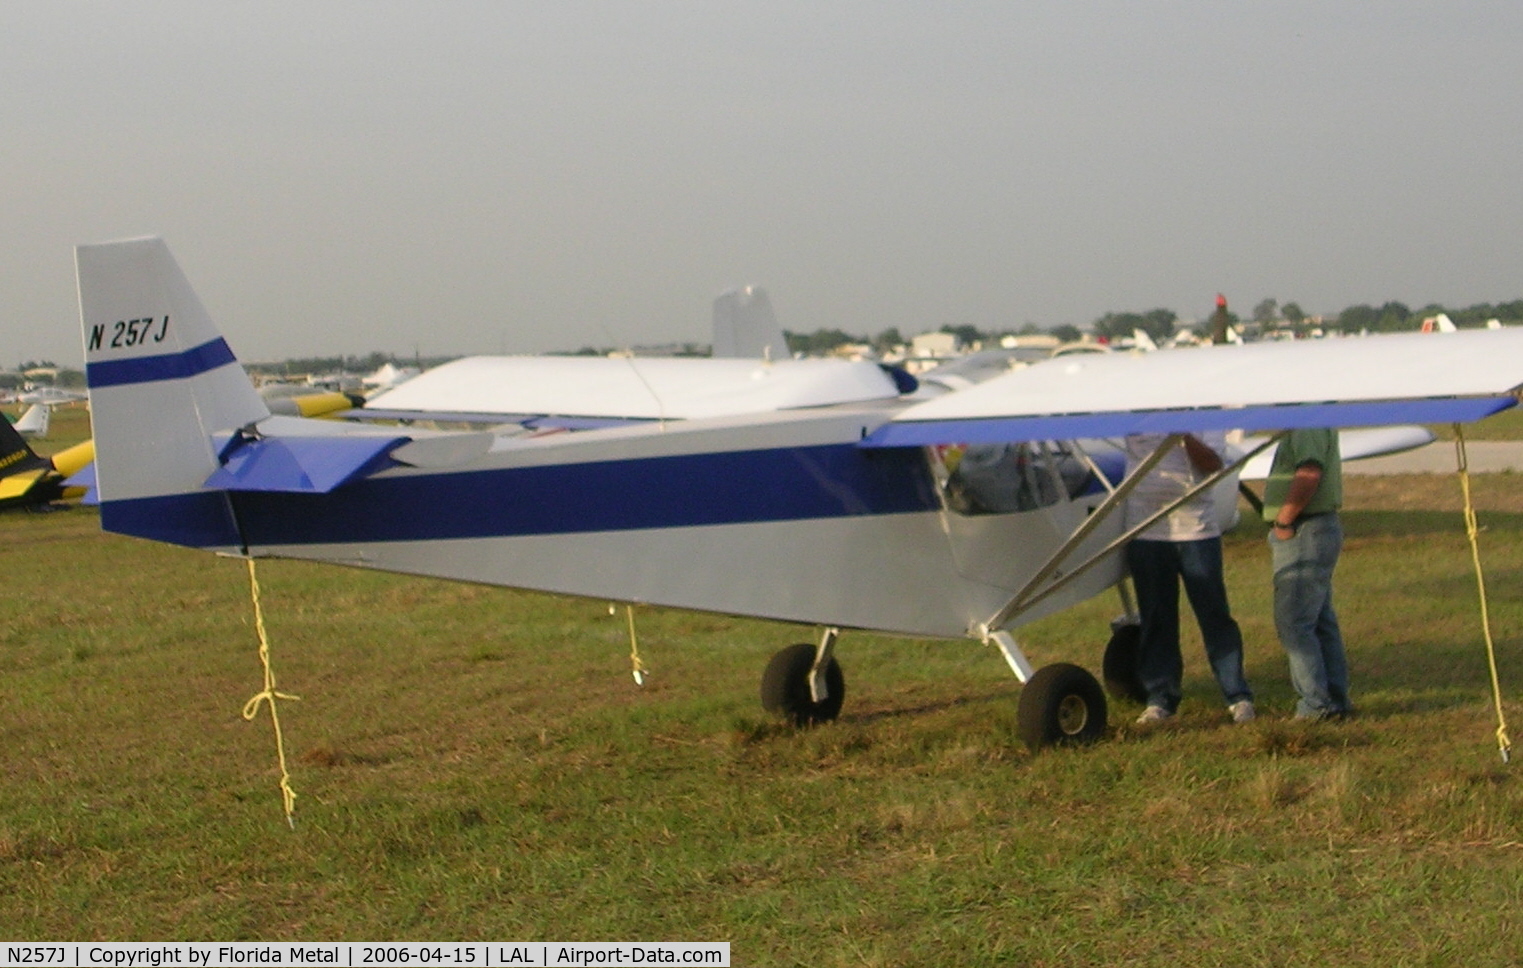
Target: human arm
(1204, 459)
(1303, 487)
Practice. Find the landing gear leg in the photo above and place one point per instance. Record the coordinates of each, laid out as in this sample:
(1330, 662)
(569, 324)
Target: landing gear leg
(1061, 704)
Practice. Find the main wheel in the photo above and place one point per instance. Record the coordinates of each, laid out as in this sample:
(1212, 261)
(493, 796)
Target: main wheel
(1120, 665)
(785, 687)
(1062, 704)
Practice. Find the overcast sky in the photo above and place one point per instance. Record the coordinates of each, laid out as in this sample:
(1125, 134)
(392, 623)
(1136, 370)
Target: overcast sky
(463, 176)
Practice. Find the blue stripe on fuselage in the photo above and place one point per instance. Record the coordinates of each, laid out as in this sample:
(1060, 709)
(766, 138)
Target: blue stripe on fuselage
(170, 366)
(201, 520)
(732, 487)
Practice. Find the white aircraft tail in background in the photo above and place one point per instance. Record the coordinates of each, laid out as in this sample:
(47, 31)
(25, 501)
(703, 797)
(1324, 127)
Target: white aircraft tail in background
(745, 327)
(36, 420)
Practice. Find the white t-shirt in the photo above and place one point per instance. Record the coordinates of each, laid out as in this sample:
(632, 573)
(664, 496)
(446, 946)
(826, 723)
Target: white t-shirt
(1171, 477)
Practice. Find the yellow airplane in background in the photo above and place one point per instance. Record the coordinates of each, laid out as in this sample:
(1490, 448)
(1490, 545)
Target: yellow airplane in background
(27, 480)
(30, 481)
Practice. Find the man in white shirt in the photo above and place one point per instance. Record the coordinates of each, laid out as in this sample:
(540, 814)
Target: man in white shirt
(1184, 545)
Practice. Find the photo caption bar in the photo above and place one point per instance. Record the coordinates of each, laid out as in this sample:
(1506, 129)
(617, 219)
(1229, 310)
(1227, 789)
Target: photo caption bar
(408, 954)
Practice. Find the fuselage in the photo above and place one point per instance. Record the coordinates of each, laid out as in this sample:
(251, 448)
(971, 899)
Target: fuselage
(777, 515)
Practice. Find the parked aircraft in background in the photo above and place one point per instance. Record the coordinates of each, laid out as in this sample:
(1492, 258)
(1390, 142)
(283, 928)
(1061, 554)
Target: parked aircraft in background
(745, 327)
(304, 400)
(36, 420)
(387, 376)
(50, 396)
(807, 491)
(27, 480)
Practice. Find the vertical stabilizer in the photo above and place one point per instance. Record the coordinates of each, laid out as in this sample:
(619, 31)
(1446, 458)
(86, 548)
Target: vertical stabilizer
(162, 381)
(36, 420)
(22, 472)
(745, 328)
(15, 454)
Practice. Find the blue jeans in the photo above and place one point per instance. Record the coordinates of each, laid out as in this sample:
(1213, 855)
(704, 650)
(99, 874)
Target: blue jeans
(1304, 617)
(1157, 569)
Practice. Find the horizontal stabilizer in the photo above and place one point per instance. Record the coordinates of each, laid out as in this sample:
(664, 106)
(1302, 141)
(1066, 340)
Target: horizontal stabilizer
(307, 465)
(17, 485)
(85, 478)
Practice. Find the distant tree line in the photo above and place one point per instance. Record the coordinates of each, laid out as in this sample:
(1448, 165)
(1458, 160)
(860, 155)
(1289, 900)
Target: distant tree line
(357, 365)
(1160, 324)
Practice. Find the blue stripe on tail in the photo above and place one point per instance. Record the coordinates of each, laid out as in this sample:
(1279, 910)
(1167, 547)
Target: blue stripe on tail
(151, 369)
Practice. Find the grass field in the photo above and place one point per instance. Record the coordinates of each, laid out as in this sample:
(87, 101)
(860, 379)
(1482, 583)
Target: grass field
(474, 763)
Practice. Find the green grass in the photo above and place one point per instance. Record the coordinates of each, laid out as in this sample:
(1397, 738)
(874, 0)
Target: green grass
(474, 763)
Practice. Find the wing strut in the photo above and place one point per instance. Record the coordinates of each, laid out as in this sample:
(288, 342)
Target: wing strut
(1034, 590)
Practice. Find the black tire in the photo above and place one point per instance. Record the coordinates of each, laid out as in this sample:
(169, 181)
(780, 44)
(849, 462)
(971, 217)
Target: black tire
(1120, 666)
(1061, 705)
(785, 687)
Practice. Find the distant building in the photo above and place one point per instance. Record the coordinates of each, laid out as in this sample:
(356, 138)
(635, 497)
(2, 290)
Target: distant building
(854, 351)
(933, 345)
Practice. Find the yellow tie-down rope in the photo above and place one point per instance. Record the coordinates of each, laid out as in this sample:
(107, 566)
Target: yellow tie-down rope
(637, 665)
(1504, 744)
(270, 694)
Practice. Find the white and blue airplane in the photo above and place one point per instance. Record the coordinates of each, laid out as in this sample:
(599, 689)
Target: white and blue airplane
(50, 396)
(828, 493)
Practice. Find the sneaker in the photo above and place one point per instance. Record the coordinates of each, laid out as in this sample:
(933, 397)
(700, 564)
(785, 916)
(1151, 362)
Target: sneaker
(1153, 714)
(1323, 715)
(1242, 711)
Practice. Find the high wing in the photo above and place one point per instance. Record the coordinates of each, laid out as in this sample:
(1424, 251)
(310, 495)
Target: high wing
(1359, 443)
(1373, 381)
(511, 388)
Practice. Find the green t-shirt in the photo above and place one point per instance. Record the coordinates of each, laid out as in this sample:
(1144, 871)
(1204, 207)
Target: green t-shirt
(1299, 447)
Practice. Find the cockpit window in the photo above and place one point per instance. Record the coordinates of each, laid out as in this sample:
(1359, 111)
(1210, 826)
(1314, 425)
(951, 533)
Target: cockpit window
(1006, 478)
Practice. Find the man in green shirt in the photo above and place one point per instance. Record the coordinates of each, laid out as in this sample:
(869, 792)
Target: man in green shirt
(1301, 501)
